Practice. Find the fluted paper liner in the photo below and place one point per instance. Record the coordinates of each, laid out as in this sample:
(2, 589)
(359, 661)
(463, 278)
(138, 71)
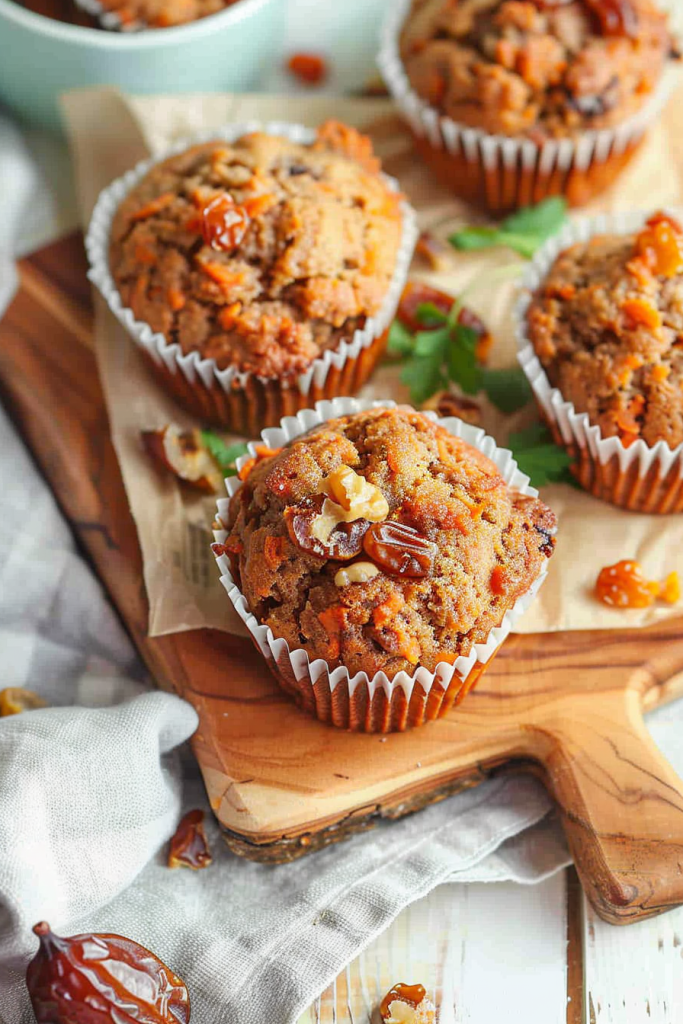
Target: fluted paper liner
(241, 401)
(375, 704)
(639, 477)
(504, 172)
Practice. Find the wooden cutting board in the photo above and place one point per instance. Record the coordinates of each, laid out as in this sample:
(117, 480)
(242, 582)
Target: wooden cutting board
(566, 706)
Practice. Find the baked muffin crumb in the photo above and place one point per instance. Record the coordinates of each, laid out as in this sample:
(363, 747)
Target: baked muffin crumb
(452, 545)
(262, 253)
(607, 327)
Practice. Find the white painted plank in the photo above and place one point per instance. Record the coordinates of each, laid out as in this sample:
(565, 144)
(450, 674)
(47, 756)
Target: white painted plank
(634, 975)
(487, 954)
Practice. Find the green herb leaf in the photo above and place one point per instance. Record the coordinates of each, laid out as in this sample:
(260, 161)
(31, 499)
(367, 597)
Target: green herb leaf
(543, 220)
(539, 457)
(524, 231)
(400, 341)
(433, 343)
(424, 376)
(224, 454)
(430, 315)
(509, 390)
(462, 361)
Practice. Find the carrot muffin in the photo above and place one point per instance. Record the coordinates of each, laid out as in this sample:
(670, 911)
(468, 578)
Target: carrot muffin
(262, 255)
(163, 13)
(532, 67)
(380, 542)
(535, 79)
(607, 327)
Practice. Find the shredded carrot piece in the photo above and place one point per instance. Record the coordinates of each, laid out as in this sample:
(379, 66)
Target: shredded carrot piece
(640, 313)
(176, 299)
(660, 372)
(154, 206)
(224, 277)
(386, 612)
(229, 314)
(274, 551)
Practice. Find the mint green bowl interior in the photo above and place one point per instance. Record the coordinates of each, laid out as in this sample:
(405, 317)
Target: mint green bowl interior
(42, 57)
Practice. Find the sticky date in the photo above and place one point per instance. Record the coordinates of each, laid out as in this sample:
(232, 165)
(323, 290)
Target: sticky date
(189, 846)
(93, 978)
(224, 224)
(345, 541)
(399, 549)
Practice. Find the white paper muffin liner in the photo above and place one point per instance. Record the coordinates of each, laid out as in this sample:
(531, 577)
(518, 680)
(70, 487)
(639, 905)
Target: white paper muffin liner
(505, 160)
(317, 673)
(640, 477)
(201, 373)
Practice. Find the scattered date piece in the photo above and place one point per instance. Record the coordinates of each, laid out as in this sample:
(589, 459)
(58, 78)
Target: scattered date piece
(309, 68)
(399, 549)
(407, 1004)
(189, 846)
(92, 978)
(14, 700)
(624, 585)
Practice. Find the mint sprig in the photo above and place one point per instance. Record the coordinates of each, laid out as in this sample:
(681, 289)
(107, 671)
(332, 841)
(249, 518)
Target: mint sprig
(447, 351)
(224, 454)
(524, 231)
(539, 457)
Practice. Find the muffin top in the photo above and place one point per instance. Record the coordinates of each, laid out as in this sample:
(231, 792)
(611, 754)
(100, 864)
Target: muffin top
(535, 68)
(380, 541)
(262, 253)
(164, 13)
(607, 325)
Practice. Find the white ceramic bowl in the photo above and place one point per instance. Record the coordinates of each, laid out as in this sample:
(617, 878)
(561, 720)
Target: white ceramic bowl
(41, 57)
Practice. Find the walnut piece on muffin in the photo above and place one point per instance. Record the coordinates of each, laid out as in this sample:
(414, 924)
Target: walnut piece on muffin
(261, 253)
(534, 67)
(379, 541)
(607, 326)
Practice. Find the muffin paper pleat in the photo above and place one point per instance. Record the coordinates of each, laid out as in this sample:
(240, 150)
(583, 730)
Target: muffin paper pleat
(242, 401)
(638, 477)
(372, 704)
(503, 172)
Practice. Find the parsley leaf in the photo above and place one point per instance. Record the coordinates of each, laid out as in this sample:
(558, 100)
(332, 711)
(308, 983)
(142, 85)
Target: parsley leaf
(539, 457)
(424, 376)
(463, 367)
(400, 341)
(509, 390)
(430, 315)
(525, 231)
(224, 454)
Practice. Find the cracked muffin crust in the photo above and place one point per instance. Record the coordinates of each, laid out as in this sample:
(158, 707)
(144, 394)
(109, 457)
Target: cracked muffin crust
(379, 541)
(536, 68)
(607, 326)
(259, 254)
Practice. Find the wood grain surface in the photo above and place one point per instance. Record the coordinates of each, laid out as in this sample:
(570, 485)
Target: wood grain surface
(567, 706)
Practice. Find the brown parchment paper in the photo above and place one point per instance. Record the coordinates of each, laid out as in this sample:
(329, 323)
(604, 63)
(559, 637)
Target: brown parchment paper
(110, 133)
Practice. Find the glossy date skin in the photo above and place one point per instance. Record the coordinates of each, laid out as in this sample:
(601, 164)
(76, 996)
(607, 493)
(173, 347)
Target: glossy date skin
(100, 978)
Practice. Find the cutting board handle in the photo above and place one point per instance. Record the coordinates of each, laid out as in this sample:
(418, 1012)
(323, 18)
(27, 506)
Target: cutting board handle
(620, 800)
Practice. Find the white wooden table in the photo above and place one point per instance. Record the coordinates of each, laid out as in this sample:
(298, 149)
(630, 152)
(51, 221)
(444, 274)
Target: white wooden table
(487, 954)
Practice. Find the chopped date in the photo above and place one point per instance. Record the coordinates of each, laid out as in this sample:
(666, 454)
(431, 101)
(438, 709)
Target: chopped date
(189, 846)
(399, 549)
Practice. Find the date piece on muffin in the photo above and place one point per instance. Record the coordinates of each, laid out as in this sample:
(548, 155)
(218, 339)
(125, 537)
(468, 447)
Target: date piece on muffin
(379, 542)
(536, 68)
(607, 327)
(259, 254)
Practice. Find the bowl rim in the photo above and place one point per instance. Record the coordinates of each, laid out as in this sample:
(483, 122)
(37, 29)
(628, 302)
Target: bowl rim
(103, 39)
